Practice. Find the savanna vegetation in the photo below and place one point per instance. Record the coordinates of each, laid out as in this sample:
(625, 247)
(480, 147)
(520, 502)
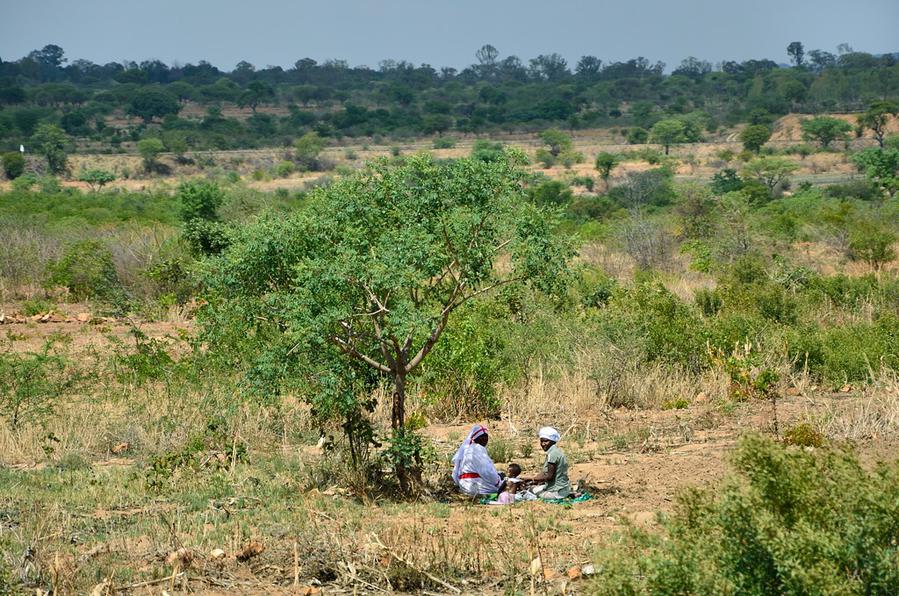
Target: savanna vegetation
(208, 384)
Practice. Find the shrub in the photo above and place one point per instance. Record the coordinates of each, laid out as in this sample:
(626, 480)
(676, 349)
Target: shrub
(550, 192)
(284, 169)
(546, 158)
(485, 150)
(96, 179)
(29, 383)
(13, 164)
(444, 142)
(803, 435)
(786, 521)
(87, 271)
(637, 136)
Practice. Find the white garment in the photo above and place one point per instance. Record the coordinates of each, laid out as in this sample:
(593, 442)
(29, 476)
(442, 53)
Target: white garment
(473, 470)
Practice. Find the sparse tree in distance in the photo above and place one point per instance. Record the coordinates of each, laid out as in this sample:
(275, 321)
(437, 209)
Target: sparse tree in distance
(769, 171)
(877, 116)
(53, 144)
(825, 130)
(96, 179)
(670, 131)
(149, 103)
(149, 150)
(558, 141)
(796, 52)
(307, 149)
(754, 137)
(605, 163)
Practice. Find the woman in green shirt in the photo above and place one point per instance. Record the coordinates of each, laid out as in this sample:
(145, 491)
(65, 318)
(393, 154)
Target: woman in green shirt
(552, 482)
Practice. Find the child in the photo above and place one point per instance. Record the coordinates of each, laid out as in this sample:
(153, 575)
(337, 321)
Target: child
(510, 487)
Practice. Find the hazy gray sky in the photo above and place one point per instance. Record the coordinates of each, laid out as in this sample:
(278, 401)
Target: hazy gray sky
(443, 33)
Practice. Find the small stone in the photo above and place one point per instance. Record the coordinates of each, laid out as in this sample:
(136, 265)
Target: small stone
(845, 388)
(574, 573)
(588, 569)
(83, 317)
(216, 554)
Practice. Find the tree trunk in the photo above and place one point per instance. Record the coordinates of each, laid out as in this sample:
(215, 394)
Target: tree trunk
(398, 414)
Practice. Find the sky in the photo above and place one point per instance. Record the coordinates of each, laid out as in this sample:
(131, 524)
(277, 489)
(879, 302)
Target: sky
(445, 33)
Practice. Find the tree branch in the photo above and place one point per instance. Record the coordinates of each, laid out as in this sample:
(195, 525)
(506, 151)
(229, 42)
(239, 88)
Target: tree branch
(346, 348)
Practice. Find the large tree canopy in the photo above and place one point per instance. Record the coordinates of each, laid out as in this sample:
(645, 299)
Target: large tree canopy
(360, 285)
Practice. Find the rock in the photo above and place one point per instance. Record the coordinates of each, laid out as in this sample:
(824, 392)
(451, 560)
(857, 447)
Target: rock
(216, 554)
(793, 391)
(574, 573)
(845, 388)
(2, 318)
(701, 398)
(83, 317)
(35, 318)
(47, 317)
(588, 569)
(102, 589)
(121, 447)
(308, 591)
(536, 566)
(552, 575)
(251, 549)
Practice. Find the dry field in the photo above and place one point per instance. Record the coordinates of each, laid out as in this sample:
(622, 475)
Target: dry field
(76, 487)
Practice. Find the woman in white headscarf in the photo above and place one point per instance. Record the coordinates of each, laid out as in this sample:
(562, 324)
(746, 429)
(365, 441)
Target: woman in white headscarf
(552, 482)
(473, 470)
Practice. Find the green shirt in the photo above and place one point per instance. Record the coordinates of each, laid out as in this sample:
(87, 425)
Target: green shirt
(560, 483)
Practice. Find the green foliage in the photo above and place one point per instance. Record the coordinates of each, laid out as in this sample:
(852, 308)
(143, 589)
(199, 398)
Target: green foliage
(881, 167)
(557, 141)
(725, 181)
(29, 384)
(361, 285)
(803, 435)
(200, 202)
(876, 118)
(87, 271)
(872, 244)
(307, 150)
(284, 169)
(825, 130)
(149, 150)
(769, 171)
(13, 164)
(754, 136)
(546, 158)
(670, 131)
(550, 193)
(150, 103)
(96, 179)
(605, 163)
(637, 136)
(785, 522)
(444, 142)
(485, 150)
(53, 144)
(149, 360)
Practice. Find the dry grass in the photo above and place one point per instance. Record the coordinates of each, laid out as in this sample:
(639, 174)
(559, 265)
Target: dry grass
(875, 415)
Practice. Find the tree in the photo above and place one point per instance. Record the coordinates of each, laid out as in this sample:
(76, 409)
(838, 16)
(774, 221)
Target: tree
(754, 136)
(149, 150)
(199, 215)
(881, 166)
(668, 132)
(557, 140)
(256, 93)
(361, 286)
(96, 179)
(605, 163)
(825, 129)
(149, 103)
(876, 118)
(588, 67)
(769, 171)
(13, 164)
(796, 52)
(871, 243)
(307, 149)
(53, 144)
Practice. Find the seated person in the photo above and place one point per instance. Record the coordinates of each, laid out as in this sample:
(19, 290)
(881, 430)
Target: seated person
(473, 470)
(510, 486)
(552, 482)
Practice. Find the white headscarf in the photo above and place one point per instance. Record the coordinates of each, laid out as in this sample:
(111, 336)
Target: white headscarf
(476, 431)
(550, 434)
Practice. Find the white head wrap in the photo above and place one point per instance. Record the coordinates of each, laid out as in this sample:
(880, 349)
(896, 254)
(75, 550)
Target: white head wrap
(476, 431)
(549, 433)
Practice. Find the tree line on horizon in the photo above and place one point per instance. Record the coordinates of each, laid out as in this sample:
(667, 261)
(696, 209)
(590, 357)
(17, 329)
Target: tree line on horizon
(400, 99)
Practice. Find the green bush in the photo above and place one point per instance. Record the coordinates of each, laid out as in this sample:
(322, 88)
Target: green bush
(444, 142)
(87, 271)
(786, 521)
(13, 164)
